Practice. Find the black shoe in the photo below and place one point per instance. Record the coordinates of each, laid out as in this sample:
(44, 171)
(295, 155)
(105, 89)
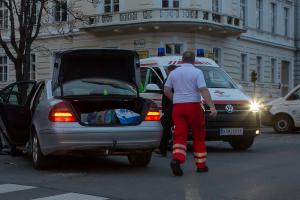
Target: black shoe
(175, 165)
(200, 170)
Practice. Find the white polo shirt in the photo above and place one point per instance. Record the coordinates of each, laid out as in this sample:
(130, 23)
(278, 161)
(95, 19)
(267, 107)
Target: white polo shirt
(186, 81)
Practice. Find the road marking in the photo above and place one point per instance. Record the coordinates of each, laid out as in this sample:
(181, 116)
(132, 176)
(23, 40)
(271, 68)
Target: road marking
(5, 188)
(72, 196)
(191, 192)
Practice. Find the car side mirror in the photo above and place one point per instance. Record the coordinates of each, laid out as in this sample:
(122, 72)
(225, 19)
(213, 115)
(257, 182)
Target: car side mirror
(153, 88)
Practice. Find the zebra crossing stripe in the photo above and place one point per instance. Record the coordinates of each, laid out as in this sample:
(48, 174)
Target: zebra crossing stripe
(5, 188)
(72, 196)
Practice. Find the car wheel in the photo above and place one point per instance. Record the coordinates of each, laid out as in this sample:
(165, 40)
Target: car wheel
(283, 124)
(39, 161)
(242, 143)
(140, 159)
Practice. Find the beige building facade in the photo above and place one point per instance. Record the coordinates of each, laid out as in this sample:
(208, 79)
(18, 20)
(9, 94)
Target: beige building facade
(241, 35)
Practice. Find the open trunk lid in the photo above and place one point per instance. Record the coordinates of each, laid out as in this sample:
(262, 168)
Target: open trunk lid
(96, 63)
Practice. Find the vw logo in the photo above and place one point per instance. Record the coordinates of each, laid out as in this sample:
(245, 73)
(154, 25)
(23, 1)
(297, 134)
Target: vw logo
(229, 108)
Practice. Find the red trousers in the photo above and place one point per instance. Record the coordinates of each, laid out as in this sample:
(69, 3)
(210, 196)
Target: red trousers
(188, 116)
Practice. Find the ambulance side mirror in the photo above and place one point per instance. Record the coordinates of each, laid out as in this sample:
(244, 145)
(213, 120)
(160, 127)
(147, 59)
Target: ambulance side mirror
(153, 88)
(240, 86)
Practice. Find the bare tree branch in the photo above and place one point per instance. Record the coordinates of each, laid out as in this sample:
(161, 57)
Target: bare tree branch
(12, 26)
(26, 19)
(39, 19)
(6, 49)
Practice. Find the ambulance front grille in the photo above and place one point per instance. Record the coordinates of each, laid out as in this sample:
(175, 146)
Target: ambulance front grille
(236, 107)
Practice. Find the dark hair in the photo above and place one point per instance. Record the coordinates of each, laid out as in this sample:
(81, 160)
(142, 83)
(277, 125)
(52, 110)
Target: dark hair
(188, 57)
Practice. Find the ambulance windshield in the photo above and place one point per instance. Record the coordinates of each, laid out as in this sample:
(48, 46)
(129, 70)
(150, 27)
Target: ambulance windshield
(216, 77)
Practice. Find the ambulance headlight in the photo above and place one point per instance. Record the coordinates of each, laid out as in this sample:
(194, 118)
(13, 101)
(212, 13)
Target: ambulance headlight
(255, 106)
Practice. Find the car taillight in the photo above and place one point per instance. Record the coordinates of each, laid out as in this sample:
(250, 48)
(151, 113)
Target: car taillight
(61, 113)
(153, 114)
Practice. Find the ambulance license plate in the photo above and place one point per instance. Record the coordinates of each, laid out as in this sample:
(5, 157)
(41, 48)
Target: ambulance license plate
(231, 131)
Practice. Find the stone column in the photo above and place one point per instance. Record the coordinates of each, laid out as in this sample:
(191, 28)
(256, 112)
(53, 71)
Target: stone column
(297, 41)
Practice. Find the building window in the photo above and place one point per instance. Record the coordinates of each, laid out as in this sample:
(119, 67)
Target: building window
(259, 14)
(175, 3)
(116, 6)
(244, 73)
(286, 21)
(111, 6)
(273, 70)
(273, 17)
(174, 49)
(165, 3)
(243, 11)
(3, 68)
(217, 55)
(61, 11)
(259, 70)
(32, 67)
(3, 16)
(216, 5)
(170, 3)
(107, 6)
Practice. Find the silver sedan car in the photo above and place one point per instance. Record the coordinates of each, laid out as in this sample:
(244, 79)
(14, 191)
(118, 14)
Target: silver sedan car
(56, 117)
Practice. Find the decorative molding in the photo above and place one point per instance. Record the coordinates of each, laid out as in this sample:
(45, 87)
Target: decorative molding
(252, 39)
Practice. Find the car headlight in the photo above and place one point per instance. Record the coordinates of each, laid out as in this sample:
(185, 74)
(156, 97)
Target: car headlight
(255, 106)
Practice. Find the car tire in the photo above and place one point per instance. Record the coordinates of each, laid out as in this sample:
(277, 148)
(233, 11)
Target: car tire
(283, 124)
(140, 159)
(39, 161)
(242, 143)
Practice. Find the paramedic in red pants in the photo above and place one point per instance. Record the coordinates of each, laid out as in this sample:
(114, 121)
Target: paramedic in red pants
(188, 84)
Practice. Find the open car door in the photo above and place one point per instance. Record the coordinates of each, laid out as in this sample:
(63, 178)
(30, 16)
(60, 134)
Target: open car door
(15, 111)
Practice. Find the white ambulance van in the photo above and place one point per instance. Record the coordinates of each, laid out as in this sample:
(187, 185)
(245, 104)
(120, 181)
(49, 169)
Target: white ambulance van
(238, 119)
(283, 113)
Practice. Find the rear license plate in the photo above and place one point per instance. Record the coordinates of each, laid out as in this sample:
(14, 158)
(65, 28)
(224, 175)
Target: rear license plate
(231, 131)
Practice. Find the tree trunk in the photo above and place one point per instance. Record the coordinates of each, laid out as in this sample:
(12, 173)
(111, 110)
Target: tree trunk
(18, 69)
(26, 65)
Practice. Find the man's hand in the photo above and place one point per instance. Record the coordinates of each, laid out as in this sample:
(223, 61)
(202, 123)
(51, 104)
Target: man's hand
(213, 112)
(207, 98)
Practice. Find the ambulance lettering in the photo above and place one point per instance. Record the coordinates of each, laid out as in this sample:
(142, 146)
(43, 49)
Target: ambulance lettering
(195, 63)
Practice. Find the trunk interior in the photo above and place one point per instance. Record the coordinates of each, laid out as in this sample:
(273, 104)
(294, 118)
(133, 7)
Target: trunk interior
(85, 106)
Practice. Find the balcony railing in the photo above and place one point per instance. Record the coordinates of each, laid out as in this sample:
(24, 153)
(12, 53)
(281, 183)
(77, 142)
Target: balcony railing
(161, 15)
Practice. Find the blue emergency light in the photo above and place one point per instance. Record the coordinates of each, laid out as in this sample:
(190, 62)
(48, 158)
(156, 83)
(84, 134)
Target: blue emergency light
(161, 51)
(200, 52)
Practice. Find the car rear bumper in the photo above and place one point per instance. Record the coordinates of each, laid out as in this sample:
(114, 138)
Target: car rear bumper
(76, 138)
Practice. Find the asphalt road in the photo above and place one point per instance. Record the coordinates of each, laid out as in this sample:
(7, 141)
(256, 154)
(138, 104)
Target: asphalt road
(269, 170)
